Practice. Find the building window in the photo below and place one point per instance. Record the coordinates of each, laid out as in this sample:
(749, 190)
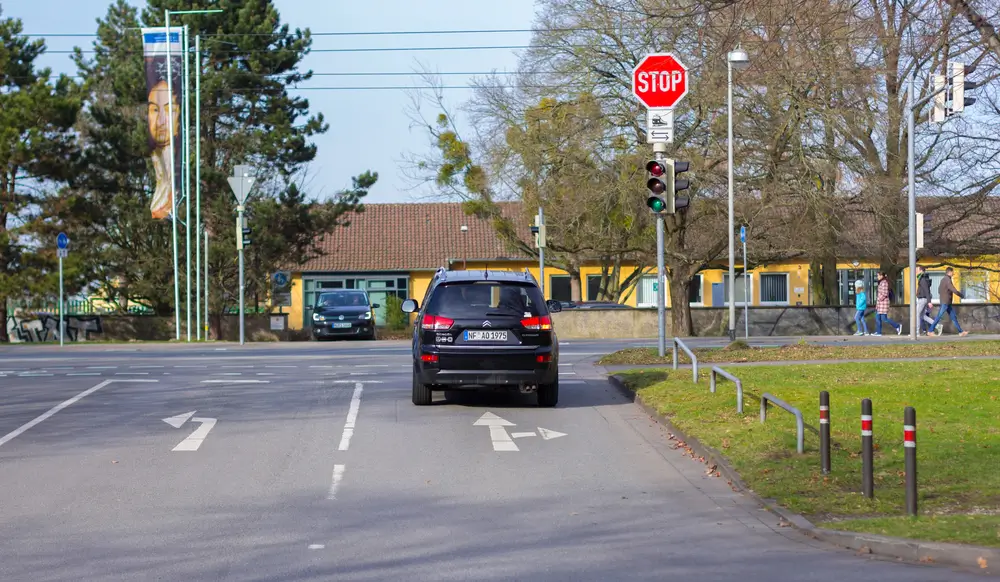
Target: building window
(742, 293)
(646, 291)
(694, 292)
(593, 287)
(975, 286)
(774, 288)
(560, 288)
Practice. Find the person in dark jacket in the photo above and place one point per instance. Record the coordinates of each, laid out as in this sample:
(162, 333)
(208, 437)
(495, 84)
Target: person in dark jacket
(945, 290)
(923, 299)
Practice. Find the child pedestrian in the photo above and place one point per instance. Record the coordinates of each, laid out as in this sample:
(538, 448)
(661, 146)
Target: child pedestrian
(861, 302)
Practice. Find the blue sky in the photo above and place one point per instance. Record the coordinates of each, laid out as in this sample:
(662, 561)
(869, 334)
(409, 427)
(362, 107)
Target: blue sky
(368, 129)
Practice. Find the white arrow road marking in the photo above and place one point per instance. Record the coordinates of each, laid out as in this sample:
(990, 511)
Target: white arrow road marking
(521, 435)
(48, 413)
(498, 434)
(194, 440)
(179, 420)
(550, 434)
(352, 417)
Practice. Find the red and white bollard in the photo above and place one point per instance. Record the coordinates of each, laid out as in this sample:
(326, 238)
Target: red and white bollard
(867, 451)
(910, 458)
(824, 431)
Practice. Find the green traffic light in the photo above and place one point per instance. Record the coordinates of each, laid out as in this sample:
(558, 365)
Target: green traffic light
(656, 204)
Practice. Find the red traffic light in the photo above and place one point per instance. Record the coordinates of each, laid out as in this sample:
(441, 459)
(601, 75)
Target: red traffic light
(656, 168)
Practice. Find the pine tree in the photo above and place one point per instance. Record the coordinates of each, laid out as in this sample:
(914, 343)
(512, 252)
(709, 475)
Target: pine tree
(247, 117)
(37, 145)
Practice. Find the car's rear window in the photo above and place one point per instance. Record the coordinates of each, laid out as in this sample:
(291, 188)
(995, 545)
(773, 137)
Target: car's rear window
(476, 299)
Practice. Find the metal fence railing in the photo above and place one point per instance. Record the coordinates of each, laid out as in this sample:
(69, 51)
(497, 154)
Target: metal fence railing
(694, 359)
(739, 385)
(799, 424)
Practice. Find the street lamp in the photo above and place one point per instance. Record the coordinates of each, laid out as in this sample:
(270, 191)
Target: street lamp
(739, 60)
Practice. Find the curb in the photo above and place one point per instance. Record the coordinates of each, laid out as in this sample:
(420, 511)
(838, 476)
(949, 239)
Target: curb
(981, 559)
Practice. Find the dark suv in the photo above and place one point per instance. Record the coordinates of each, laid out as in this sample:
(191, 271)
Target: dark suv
(344, 313)
(484, 329)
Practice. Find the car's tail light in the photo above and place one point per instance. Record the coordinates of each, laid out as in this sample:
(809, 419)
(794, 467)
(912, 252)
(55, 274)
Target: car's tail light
(541, 322)
(436, 322)
(543, 358)
(428, 357)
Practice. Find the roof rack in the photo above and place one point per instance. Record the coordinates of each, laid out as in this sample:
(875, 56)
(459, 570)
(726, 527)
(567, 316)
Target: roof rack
(442, 273)
(529, 276)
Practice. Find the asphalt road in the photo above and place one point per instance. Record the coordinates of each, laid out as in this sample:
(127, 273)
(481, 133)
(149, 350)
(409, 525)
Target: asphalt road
(308, 462)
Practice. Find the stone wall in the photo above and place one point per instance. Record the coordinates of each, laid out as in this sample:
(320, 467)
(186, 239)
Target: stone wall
(764, 321)
(570, 324)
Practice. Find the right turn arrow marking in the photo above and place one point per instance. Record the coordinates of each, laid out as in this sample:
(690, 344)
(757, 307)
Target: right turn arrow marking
(550, 434)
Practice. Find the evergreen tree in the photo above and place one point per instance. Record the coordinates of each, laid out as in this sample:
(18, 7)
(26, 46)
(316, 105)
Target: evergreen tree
(247, 117)
(37, 145)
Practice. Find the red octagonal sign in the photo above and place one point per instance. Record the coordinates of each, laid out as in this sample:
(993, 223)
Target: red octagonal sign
(659, 80)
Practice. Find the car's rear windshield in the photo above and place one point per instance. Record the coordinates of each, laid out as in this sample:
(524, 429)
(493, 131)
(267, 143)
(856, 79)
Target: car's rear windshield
(476, 299)
(342, 299)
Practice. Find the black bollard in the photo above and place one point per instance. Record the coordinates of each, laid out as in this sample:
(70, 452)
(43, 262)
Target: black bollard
(824, 431)
(867, 472)
(910, 454)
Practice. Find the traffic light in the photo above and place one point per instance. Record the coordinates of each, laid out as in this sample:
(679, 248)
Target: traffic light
(678, 184)
(657, 185)
(958, 87)
(539, 231)
(246, 235)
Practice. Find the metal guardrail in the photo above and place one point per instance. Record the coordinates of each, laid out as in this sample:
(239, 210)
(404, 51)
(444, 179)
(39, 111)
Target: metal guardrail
(734, 379)
(799, 425)
(694, 359)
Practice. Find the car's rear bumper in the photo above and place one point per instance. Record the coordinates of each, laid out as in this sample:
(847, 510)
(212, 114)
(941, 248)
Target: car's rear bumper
(474, 368)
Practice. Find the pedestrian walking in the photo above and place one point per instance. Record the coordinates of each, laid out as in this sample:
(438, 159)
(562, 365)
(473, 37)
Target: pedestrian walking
(946, 289)
(923, 301)
(882, 300)
(861, 303)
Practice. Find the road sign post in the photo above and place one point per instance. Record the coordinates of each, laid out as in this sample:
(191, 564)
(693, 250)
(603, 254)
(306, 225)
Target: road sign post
(746, 290)
(241, 182)
(659, 81)
(62, 241)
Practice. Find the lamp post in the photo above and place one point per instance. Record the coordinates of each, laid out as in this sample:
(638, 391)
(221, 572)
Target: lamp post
(739, 60)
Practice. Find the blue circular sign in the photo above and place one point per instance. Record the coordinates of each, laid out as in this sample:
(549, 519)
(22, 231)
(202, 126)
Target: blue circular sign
(281, 279)
(743, 234)
(62, 240)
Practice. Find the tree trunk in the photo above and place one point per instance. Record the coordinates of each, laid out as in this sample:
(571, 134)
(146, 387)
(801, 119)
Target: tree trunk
(680, 309)
(574, 283)
(823, 280)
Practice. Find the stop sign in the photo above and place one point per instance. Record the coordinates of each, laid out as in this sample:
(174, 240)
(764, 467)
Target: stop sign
(659, 80)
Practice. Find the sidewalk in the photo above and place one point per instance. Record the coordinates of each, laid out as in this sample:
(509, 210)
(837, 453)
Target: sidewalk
(621, 367)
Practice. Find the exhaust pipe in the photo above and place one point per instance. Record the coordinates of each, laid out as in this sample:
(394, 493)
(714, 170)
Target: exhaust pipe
(528, 388)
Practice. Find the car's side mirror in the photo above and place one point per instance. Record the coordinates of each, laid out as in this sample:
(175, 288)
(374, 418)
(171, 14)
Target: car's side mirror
(375, 306)
(553, 305)
(410, 306)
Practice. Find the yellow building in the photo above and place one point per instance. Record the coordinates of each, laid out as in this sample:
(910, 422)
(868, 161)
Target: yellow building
(396, 248)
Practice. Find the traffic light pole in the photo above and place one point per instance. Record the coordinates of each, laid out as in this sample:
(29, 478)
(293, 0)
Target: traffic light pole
(541, 254)
(659, 152)
(912, 211)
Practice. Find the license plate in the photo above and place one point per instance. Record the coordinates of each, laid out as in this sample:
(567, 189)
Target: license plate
(342, 324)
(485, 336)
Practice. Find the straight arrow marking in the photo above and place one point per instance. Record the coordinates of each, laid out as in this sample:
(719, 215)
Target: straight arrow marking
(501, 440)
(490, 419)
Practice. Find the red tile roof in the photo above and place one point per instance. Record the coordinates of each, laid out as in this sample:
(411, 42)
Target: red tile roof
(418, 236)
(412, 236)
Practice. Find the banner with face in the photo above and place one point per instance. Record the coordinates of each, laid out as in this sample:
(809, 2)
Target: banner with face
(163, 106)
